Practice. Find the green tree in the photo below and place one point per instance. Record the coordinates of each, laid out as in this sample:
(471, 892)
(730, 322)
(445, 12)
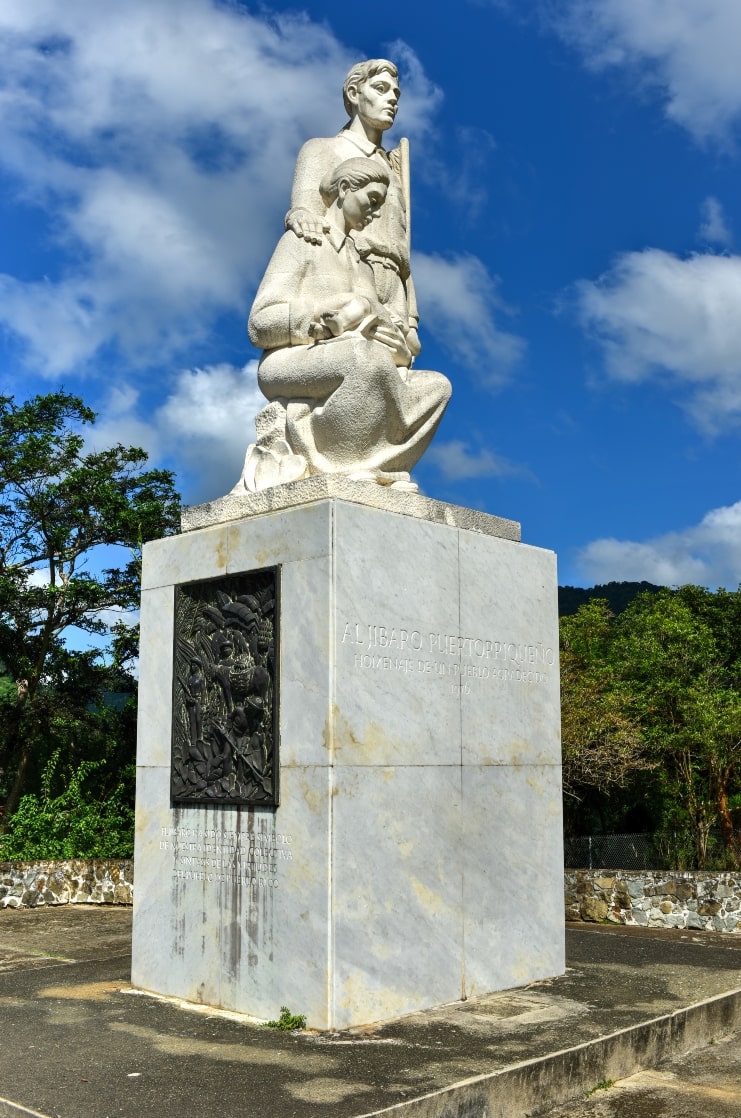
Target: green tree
(677, 652)
(603, 745)
(62, 509)
(651, 716)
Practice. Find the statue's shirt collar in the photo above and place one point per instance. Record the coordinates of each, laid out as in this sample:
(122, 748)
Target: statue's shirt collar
(362, 143)
(338, 239)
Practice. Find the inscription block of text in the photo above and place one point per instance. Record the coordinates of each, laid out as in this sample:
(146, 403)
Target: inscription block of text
(415, 856)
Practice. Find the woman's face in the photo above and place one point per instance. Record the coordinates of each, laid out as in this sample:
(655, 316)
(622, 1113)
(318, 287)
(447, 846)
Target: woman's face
(361, 206)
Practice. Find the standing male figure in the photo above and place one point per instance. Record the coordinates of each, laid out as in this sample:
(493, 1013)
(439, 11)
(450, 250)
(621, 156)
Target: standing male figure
(371, 96)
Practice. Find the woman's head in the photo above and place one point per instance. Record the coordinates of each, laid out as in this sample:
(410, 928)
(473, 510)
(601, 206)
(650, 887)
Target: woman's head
(359, 187)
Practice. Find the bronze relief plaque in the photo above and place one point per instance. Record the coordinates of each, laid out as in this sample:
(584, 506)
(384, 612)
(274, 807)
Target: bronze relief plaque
(225, 690)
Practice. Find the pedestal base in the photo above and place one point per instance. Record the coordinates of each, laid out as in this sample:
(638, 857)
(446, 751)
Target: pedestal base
(415, 856)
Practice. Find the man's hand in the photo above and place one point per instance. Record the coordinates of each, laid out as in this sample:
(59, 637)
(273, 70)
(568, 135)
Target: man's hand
(306, 225)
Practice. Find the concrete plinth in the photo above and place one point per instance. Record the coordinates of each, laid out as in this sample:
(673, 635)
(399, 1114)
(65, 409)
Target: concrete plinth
(415, 857)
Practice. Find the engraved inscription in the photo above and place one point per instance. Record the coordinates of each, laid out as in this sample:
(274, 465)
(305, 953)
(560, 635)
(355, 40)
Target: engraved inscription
(225, 714)
(238, 857)
(463, 660)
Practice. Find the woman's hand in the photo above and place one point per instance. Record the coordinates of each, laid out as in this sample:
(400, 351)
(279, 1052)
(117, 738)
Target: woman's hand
(388, 334)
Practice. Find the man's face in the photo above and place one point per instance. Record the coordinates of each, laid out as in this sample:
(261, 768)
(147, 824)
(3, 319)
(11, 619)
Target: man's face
(376, 100)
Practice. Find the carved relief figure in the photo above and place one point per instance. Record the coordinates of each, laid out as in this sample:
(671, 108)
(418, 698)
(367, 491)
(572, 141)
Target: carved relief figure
(194, 692)
(335, 314)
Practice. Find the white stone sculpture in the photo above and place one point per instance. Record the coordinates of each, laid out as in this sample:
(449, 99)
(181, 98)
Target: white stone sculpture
(336, 315)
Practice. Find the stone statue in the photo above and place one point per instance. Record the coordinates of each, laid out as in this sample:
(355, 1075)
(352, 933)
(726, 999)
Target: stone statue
(336, 316)
(371, 96)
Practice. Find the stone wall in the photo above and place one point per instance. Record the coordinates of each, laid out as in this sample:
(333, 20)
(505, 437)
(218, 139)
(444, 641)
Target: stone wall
(655, 898)
(78, 881)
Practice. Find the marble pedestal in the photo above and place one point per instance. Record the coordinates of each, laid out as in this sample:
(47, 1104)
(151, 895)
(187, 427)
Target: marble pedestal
(416, 855)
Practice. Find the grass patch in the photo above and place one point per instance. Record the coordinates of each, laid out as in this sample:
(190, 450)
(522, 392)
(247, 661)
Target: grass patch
(603, 1085)
(287, 1022)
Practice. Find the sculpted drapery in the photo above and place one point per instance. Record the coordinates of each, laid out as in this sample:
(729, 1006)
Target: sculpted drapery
(336, 317)
(385, 245)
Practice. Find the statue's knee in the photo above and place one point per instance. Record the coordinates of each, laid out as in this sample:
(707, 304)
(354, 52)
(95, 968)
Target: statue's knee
(360, 348)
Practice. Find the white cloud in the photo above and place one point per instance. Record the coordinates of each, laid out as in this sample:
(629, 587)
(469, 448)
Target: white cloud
(118, 422)
(209, 419)
(659, 315)
(61, 324)
(688, 48)
(39, 576)
(707, 554)
(714, 229)
(206, 420)
(420, 97)
(456, 461)
(458, 300)
(159, 139)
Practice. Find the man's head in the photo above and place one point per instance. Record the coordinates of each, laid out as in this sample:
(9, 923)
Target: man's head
(371, 91)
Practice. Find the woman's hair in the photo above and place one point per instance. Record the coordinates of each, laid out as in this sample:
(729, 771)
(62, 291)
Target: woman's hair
(362, 72)
(355, 172)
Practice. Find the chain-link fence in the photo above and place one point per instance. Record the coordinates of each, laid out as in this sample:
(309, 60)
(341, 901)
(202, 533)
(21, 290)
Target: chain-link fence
(649, 852)
(624, 852)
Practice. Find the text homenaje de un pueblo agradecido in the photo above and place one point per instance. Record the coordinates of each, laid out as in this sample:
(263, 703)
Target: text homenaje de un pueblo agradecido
(463, 660)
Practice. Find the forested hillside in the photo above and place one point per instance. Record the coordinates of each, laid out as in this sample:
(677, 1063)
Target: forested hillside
(618, 595)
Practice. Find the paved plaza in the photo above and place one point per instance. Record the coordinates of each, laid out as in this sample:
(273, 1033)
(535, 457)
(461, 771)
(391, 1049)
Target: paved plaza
(78, 1043)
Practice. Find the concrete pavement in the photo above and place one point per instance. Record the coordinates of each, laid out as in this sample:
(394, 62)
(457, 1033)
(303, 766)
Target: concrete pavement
(78, 1043)
(705, 1082)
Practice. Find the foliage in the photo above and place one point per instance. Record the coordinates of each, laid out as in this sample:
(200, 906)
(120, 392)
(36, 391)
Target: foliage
(70, 823)
(287, 1021)
(62, 509)
(652, 705)
(603, 1085)
(681, 658)
(602, 741)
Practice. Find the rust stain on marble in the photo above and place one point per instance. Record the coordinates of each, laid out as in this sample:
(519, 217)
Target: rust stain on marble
(428, 898)
(371, 746)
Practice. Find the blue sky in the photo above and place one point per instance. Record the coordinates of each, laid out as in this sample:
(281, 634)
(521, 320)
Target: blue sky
(576, 229)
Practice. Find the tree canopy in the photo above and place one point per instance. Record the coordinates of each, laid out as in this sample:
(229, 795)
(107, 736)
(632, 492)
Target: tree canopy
(652, 715)
(66, 513)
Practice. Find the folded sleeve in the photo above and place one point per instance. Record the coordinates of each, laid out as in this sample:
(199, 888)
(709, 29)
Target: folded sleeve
(281, 315)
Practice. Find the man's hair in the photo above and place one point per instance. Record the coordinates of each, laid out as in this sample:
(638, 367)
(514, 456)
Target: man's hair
(362, 71)
(356, 172)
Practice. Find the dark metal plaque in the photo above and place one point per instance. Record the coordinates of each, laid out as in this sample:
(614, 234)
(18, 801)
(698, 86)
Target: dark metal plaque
(225, 690)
